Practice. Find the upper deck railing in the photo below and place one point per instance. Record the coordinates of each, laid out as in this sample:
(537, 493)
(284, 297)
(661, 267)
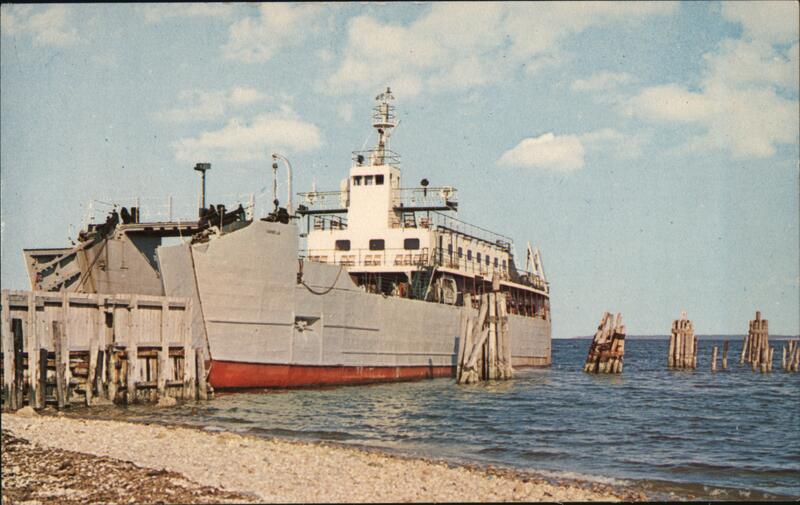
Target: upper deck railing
(169, 209)
(376, 157)
(403, 259)
(446, 223)
(404, 200)
(322, 202)
(424, 199)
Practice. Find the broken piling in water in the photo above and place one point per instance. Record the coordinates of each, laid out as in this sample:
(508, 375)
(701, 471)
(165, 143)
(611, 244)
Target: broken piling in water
(607, 350)
(484, 351)
(682, 344)
(756, 349)
(790, 361)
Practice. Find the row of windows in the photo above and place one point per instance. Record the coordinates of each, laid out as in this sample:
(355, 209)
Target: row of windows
(477, 256)
(378, 244)
(369, 180)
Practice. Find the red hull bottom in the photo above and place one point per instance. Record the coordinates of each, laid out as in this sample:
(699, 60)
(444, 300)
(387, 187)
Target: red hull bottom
(237, 375)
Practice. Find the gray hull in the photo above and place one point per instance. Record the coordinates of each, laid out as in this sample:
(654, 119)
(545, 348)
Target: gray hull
(263, 328)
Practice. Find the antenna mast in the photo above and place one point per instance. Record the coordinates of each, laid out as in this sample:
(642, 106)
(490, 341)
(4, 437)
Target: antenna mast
(383, 120)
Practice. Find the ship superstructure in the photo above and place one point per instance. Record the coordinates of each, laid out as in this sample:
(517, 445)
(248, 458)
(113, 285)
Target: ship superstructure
(406, 241)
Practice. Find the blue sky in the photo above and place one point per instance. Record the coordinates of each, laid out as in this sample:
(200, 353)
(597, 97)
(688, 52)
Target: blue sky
(649, 149)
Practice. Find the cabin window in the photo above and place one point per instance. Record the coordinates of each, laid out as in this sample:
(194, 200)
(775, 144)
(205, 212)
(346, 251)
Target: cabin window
(504, 264)
(367, 180)
(487, 260)
(378, 179)
(460, 252)
(342, 245)
(376, 244)
(357, 180)
(478, 257)
(411, 244)
(450, 250)
(495, 263)
(469, 254)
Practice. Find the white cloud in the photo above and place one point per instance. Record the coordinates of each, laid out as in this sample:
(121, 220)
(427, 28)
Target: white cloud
(253, 140)
(567, 153)
(157, 13)
(602, 81)
(752, 62)
(278, 25)
(200, 105)
(48, 27)
(770, 21)
(463, 45)
(563, 154)
(741, 102)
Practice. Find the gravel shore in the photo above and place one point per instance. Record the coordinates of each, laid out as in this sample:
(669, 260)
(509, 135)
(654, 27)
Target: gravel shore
(208, 467)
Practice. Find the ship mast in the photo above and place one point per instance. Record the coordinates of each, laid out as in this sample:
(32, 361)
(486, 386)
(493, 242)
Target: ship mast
(383, 120)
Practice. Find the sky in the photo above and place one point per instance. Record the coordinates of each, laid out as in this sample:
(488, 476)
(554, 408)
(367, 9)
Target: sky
(650, 150)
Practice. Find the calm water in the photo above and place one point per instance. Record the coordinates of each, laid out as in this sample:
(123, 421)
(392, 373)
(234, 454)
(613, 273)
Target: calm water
(728, 435)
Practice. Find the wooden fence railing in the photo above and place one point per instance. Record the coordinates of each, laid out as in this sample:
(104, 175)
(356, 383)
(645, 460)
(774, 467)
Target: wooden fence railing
(60, 348)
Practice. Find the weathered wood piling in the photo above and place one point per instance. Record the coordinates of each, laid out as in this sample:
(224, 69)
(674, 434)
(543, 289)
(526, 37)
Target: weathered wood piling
(607, 350)
(73, 348)
(484, 351)
(790, 360)
(714, 359)
(682, 344)
(725, 355)
(756, 349)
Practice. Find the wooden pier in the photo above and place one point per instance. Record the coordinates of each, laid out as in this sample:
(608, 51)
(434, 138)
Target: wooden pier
(607, 350)
(63, 348)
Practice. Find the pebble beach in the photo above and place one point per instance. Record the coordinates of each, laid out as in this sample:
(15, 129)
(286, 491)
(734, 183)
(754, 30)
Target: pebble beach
(54, 459)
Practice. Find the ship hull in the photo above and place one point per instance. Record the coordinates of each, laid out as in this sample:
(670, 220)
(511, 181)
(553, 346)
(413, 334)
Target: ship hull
(267, 320)
(240, 375)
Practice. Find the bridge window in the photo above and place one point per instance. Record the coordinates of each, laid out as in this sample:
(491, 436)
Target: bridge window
(342, 245)
(367, 180)
(504, 264)
(376, 244)
(378, 179)
(495, 263)
(478, 257)
(357, 180)
(487, 260)
(411, 244)
(450, 250)
(460, 252)
(469, 254)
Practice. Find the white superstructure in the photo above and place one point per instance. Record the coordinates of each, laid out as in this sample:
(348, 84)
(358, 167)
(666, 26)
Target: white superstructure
(374, 225)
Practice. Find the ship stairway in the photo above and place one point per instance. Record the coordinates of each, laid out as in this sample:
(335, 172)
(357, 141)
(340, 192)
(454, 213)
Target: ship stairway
(421, 283)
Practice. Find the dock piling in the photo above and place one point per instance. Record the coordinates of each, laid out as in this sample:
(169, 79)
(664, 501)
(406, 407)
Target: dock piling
(607, 350)
(41, 391)
(757, 349)
(725, 355)
(685, 348)
(58, 341)
(487, 352)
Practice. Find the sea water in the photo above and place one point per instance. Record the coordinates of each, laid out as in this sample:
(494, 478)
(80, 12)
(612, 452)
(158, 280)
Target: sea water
(730, 434)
